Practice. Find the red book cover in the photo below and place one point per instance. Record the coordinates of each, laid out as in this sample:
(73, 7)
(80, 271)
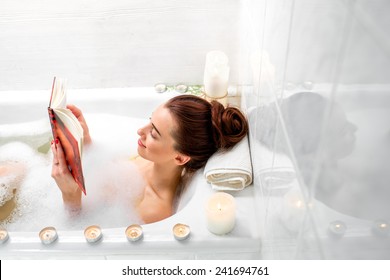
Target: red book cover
(70, 146)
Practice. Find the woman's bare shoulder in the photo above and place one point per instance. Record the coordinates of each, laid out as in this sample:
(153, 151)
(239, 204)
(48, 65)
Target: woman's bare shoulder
(153, 208)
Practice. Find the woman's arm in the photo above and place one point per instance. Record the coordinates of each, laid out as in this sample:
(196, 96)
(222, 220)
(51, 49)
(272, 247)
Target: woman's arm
(71, 193)
(79, 115)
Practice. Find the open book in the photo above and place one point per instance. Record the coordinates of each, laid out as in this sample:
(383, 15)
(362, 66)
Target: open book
(67, 129)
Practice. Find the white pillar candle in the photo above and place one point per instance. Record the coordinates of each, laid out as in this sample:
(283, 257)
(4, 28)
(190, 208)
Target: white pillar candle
(216, 75)
(221, 213)
(294, 211)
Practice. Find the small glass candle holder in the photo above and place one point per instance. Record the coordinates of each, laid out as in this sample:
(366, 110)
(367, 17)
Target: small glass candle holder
(48, 235)
(134, 232)
(160, 88)
(337, 229)
(181, 231)
(4, 236)
(181, 88)
(381, 228)
(93, 234)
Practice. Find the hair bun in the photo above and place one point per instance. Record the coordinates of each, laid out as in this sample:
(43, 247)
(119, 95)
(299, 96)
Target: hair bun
(229, 125)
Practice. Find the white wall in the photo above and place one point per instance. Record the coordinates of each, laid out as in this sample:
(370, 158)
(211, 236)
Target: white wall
(118, 43)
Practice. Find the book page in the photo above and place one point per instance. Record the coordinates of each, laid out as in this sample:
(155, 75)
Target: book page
(72, 124)
(58, 98)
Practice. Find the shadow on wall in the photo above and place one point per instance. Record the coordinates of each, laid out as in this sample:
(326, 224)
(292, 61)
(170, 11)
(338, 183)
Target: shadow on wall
(323, 142)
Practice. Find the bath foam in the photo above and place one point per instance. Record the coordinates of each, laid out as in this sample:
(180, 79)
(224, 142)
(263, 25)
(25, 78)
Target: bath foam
(11, 175)
(112, 179)
(35, 133)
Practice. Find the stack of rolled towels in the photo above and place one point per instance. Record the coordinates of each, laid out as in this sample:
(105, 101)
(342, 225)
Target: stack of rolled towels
(230, 170)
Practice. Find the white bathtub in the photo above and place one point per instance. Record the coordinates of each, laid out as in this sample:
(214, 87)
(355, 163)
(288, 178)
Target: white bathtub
(17, 108)
(305, 234)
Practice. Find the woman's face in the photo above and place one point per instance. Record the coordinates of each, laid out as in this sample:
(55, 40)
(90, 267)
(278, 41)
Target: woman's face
(155, 142)
(341, 136)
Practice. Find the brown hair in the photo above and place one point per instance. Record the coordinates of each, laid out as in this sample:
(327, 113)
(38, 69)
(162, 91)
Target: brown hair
(203, 127)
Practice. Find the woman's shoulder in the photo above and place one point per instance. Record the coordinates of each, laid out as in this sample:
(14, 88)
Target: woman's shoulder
(153, 207)
(153, 210)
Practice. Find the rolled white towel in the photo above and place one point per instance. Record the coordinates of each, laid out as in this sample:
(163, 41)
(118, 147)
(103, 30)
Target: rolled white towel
(230, 170)
(274, 170)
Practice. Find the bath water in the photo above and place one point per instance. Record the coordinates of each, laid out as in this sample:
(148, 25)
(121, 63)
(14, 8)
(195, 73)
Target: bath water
(112, 180)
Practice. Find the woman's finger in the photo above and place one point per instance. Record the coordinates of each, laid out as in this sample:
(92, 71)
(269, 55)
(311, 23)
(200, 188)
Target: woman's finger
(60, 154)
(54, 151)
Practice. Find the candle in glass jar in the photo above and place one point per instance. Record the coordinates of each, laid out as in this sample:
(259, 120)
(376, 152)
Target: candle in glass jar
(3, 235)
(134, 232)
(93, 233)
(48, 235)
(221, 213)
(181, 231)
(160, 88)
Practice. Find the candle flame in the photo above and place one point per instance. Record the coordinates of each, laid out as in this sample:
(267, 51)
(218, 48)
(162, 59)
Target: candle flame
(219, 206)
(299, 204)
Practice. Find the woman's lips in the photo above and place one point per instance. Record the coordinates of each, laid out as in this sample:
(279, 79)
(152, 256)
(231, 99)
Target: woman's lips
(141, 144)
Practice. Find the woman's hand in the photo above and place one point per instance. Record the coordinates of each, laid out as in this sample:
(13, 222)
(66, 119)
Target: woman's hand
(71, 193)
(79, 115)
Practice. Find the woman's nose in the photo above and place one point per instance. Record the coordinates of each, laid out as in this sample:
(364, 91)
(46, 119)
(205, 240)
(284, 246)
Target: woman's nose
(141, 131)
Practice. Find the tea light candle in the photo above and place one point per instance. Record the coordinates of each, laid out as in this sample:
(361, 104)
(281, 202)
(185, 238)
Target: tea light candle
(3, 235)
(337, 229)
(93, 233)
(381, 228)
(48, 235)
(181, 231)
(134, 232)
(221, 213)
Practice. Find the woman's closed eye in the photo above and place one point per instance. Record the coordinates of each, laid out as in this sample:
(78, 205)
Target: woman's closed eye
(153, 130)
(153, 133)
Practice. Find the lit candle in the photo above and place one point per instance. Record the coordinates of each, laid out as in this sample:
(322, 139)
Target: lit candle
(293, 211)
(337, 229)
(381, 228)
(221, 213)
(48, 235)
(134, 232)
(93, 233)
(216, 75)
(181, 231)
(3, 235)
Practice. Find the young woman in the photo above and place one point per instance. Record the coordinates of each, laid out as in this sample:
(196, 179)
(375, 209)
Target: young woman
(181, 136)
